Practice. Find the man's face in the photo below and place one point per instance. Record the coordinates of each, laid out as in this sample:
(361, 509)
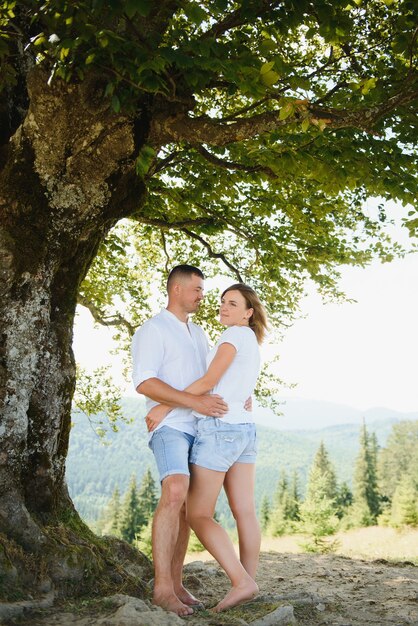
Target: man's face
(190, 293)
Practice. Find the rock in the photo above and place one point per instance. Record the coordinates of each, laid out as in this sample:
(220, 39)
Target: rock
(9, 610)
(199, 567)
(133, 611)
(195, 566)
(282, 616)
(192, 582)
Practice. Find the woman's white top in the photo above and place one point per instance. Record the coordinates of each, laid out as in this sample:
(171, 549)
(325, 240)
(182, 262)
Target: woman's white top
(238, 382)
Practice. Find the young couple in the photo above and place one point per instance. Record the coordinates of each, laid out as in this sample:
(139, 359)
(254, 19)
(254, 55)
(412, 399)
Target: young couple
(202, 435)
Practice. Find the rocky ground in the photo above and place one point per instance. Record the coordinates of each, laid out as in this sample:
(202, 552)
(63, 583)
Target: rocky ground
(311, 590)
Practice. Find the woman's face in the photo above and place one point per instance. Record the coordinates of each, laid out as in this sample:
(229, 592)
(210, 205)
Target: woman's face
(233, 310)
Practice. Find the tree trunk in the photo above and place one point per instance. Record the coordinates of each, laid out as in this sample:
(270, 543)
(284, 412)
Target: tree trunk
(66, 178)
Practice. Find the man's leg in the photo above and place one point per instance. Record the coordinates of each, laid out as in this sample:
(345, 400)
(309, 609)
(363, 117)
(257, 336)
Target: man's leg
(170, 529)
(166, 543)
(178, 559)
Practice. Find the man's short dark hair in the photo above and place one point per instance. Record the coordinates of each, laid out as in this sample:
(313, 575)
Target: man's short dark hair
(183, 270)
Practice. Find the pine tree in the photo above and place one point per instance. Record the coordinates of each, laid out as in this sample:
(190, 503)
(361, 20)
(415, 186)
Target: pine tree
(278, 523)
(318, 512)
(373, 496)
(366, 500)
(323, 466)
(318, 516)
(344, 500)
(109, 524)
(404, 509)
(265, 511)
(147, 496)
(131, 517)
(144, 541)
(292, 512)
(398, 457)
(282, 488)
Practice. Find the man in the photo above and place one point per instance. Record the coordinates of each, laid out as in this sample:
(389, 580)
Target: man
(169, 353)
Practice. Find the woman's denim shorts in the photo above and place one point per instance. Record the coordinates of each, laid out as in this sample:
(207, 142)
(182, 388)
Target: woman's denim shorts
(218, 445)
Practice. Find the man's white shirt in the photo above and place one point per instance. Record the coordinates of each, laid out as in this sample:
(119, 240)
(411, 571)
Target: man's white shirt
(175, 353)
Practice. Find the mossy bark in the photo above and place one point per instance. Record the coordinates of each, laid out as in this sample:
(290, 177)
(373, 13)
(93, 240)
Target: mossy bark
(66, 177)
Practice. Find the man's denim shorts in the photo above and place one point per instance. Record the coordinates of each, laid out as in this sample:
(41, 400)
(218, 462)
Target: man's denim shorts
(171, 449)
(218, 445)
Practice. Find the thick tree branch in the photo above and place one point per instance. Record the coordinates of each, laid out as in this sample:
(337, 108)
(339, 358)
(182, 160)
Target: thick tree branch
(216, 132)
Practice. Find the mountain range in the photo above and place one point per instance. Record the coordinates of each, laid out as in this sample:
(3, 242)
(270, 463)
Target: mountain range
(301, 414)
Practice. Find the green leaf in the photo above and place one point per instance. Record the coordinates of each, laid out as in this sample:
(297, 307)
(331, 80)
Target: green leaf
(305, 124)
(39, 40)
(270, 78)
(115, 104)
(368, 85)
(195, 13)
(266, 67)
(267, 46)
(143, 7)
(144, 160)
(110, 88)
(286, 111)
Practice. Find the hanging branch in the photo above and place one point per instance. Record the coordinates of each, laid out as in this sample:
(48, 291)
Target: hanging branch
(167, 256)
(231, 165)
(100, 317)
(164, 224)
(212, 254)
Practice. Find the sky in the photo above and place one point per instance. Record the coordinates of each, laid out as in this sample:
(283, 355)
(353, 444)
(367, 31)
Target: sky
(361, 354)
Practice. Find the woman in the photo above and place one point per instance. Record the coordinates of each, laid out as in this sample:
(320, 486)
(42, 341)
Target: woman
(224, 450)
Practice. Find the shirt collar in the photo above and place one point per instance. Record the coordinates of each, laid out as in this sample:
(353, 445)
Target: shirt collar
(171, 315)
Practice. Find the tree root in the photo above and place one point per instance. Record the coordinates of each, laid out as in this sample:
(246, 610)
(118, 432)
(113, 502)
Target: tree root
(72, 564)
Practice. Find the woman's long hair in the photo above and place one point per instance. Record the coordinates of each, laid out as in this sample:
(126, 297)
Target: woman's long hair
(258, 320)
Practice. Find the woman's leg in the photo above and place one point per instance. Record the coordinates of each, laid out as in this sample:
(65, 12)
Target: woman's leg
(239, 487)
(205, 486)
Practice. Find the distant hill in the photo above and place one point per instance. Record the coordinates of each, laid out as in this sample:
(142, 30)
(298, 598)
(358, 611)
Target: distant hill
(301, 414)
(94, 467)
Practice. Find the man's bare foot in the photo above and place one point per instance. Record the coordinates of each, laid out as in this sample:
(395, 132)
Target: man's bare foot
(246, 590)
(187, 598)
(170, 602)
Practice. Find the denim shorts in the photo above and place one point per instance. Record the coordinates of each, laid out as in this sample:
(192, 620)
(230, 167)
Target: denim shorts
(218, 445)
(171, 449)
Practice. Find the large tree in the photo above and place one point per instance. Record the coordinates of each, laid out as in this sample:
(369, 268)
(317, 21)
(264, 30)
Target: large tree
(248, 133)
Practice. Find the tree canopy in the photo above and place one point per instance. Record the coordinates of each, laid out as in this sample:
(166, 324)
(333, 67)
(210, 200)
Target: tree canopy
(261, 128)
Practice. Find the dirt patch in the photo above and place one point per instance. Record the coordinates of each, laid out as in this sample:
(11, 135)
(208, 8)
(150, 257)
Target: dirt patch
(323, 590)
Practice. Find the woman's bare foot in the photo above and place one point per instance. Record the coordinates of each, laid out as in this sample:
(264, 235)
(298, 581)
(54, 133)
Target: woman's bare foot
(170, 602)
(187, 598)
(246, 590)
